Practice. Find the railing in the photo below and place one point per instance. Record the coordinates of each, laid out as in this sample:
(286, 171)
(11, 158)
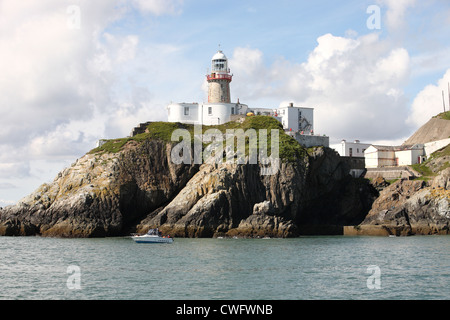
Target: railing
(216, 76)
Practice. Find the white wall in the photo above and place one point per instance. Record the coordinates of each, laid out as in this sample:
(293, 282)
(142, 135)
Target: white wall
(371, 157)
(220, 113)
(379, 158)
(433, 146)
(408, 157)
(176, 113)
(344, 147)
(290, 117)
(404, 157)
(308, 114)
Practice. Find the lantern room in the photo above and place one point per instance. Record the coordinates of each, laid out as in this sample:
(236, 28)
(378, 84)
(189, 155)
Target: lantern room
(219, 63)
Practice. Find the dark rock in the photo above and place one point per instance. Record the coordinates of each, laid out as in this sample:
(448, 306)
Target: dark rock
(110, 194)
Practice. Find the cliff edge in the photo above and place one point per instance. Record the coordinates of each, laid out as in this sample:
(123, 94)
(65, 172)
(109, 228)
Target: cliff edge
(132, 184)
(408, 207)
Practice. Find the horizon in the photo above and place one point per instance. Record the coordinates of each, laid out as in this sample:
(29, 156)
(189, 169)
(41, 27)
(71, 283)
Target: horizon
(76, 72)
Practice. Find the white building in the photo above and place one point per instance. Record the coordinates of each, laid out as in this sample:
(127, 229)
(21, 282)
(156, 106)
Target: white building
(219, 108)
(296, 118)
(389, 156)
(205, 113)
(351, 149)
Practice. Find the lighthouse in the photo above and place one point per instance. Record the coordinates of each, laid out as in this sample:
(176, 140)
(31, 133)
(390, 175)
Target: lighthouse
(219, 109)
(219, 79)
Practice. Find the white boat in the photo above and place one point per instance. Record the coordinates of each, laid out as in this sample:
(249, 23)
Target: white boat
(152, 236)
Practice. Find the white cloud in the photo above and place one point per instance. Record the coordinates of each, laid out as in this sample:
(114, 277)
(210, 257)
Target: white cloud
(64, 80)
(395, 15)
(14, 169)
(159, 7)
(355, 85)
(429, 102)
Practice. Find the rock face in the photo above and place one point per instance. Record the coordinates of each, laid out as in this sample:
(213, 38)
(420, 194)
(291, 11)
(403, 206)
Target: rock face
(436, 128)
(138, 187)
(235, 200)
(409, 207)
(100, 194)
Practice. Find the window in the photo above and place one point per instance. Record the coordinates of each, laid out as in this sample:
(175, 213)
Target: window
(350, 151)
(232, 110)
(209, 110)
(186, 111)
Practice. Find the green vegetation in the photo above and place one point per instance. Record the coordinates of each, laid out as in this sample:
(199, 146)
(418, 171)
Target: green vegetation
(391, 181)
(440, 153)
(289, 150)
(443, 115)
(423, 169)
(156, 130)
(427, 169)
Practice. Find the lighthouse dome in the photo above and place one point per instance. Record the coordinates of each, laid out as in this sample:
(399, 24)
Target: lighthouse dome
(219, 63)
(219, 56)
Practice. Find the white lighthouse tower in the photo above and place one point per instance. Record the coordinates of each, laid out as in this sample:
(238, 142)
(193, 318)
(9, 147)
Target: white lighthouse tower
(219, 79)
(219, 108)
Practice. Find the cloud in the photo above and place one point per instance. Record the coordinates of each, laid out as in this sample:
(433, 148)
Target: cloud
(396, 11)
(355, 85)
(18, 169)
(50, 74)
(159, 7)
(428, 102)
(65, 78)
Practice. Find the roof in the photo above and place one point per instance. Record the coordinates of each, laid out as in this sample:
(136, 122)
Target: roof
(398, 148)
(387, 148)
(219, 56)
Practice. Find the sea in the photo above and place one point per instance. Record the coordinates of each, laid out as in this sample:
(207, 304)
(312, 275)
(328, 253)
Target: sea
(304, 268)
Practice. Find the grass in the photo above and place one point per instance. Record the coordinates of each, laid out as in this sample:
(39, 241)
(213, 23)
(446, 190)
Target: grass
(440, 153)
(443, 115)
(424, 168)
(289, 149)
(391, 181)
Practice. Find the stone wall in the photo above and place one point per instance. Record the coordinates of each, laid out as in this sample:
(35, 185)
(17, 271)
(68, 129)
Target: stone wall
(309, 141)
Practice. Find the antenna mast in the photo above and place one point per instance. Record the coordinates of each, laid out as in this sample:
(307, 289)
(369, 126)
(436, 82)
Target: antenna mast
(443, 100)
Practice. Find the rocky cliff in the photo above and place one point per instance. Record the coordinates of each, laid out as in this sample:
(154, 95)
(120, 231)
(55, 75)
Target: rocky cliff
(132, 184)
(436, 128)
(409, 207)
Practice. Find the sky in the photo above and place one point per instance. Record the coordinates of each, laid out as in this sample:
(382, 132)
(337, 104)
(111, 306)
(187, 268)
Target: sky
(76, 71)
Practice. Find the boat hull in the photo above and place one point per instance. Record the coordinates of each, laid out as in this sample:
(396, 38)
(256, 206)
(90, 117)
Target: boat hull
(144, 239)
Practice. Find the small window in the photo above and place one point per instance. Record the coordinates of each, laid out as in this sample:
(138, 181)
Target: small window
(186, 111)
(210, 110)
(232, 110)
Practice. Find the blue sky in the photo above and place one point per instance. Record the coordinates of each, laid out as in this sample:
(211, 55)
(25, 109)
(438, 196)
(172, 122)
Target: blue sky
(72, 76)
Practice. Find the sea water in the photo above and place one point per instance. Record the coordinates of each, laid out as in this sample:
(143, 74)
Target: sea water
(309, 268)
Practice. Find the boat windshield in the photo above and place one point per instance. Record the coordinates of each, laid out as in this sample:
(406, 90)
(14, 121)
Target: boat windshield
(153, 232)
